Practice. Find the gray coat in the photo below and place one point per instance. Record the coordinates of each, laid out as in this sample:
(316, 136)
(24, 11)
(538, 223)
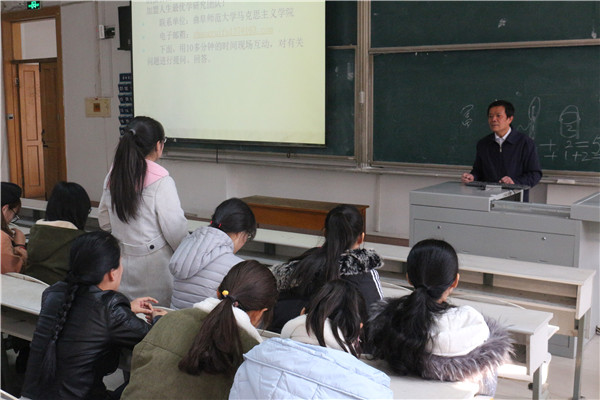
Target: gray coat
(199, 265)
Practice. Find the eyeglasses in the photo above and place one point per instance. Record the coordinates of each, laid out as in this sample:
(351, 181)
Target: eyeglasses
(15, 217)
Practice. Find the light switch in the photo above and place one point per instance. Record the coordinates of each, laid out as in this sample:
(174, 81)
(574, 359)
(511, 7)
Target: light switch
(97, 107)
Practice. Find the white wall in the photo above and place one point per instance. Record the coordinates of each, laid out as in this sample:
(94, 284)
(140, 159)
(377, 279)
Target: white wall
(91, 68)
(38, 39)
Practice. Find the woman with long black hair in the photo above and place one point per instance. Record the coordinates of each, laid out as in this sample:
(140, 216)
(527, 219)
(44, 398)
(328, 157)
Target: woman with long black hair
(83, 324)
(140, 206)
(422, 334)
(340, 257)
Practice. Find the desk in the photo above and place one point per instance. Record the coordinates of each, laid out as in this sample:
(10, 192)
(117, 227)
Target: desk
(21, 305)
(293, 213)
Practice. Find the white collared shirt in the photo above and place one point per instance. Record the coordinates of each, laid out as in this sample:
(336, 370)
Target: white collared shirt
(501, 140)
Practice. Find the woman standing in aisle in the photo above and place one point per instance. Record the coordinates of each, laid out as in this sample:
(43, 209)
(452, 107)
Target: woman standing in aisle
(141, 207)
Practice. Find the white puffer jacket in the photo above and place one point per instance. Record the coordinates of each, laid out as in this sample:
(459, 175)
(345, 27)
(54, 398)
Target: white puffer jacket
(295, 329)
(199, 265)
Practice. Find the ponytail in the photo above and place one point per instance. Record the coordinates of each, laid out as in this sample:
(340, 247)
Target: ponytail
(340, 303)
(126, 180)
(217, 348)
(343, 226)
(401, 329)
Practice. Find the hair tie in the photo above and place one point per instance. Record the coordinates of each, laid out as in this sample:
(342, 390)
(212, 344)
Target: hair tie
(226, 295)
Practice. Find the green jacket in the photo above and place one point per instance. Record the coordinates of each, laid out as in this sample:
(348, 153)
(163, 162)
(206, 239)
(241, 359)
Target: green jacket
(154, 366)
(48, 252)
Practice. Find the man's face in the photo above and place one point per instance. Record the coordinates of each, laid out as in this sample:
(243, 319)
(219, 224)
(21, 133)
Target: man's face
(499, 123)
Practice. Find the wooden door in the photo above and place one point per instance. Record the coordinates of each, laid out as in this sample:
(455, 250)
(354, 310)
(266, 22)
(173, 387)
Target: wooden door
(52, 135)
(31, 131)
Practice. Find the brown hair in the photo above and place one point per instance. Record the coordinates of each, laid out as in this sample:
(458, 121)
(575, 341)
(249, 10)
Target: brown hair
(217, 348)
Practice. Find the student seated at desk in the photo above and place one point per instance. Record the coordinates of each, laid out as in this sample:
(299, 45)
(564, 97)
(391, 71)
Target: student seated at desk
(83, 323)
(422, 334)
(14, 253)
(339, 257)
(334, 318)
(194, 353)
(204, 257)
(50, 238)
(321, 359)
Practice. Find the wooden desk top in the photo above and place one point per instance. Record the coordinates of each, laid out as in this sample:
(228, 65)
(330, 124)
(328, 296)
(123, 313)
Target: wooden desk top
(280, 202)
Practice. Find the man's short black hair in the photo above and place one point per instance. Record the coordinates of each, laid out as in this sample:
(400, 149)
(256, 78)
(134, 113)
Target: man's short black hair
(508, 107)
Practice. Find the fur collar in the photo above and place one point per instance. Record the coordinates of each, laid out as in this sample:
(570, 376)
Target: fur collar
(482, 361)
(359, 261)
(57, 224)
(242, 319)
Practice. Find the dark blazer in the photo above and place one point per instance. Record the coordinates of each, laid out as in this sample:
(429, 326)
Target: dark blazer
(98, 324)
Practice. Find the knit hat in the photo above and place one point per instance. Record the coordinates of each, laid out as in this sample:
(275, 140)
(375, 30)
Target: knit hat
(10, 193)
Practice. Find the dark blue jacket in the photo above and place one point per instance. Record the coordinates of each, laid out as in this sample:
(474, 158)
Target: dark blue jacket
(518, 159)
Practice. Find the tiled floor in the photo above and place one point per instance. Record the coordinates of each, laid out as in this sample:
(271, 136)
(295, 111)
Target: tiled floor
(560, 377)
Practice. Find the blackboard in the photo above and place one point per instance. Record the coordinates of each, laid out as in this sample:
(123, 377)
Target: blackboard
(419, 23)
(431, 108)
(340, 19)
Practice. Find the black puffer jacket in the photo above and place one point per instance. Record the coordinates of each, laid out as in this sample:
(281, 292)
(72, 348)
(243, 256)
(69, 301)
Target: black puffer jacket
(98, 324)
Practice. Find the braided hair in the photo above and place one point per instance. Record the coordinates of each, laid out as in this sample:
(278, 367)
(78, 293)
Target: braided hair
(92, 256)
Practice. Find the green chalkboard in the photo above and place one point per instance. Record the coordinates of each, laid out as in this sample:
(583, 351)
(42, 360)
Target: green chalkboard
(339, 91)
(431, 108)
(419, 23)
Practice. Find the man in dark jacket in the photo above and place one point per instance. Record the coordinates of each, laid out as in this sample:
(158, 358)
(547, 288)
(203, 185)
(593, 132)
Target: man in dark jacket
(506, 155)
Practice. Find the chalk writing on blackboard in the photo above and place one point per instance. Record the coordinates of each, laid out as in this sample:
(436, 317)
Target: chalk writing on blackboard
(465, 112)
(569, 122)
(532, 112)
(572, 150)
